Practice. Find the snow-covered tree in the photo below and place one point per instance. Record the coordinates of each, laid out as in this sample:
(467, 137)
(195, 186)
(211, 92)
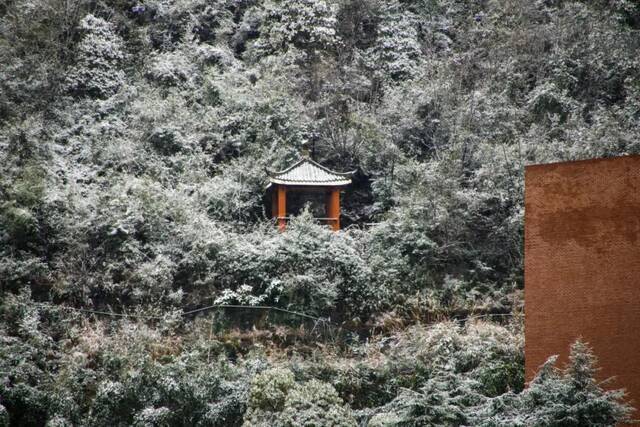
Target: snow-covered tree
(308, 25)
(396, 52)
(97, 71)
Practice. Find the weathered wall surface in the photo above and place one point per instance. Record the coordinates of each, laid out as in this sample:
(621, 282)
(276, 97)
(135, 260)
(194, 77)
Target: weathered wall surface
(582, 264)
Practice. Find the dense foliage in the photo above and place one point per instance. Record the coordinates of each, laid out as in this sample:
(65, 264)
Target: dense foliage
(60, 369)
(133, 141)
(134, 138)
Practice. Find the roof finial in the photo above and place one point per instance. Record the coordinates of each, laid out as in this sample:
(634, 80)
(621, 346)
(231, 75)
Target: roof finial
(304, 150)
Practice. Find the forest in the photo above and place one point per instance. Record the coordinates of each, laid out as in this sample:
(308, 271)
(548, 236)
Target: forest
(134, 138)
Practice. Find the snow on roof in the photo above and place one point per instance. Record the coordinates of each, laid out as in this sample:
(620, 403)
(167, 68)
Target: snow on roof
(306, 172)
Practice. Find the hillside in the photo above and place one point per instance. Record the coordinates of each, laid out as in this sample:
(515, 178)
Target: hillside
(134, 138)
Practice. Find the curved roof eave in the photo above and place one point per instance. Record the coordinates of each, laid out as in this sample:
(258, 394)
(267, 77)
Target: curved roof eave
(335, 183)
(314, 163)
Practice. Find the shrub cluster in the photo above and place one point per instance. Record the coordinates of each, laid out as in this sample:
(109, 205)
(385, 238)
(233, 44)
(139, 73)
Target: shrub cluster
(60, 368)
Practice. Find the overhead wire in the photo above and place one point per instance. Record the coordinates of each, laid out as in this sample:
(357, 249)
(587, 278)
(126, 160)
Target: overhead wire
(183, 314)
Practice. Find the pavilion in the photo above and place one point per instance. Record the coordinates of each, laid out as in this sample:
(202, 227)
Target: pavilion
(307, 176)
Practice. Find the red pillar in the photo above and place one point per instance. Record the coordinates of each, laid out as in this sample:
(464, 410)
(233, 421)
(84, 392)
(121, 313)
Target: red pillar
(282, 207)
(333, 208)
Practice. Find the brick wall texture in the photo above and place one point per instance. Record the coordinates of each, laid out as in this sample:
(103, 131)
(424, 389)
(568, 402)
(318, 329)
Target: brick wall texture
(582, 265)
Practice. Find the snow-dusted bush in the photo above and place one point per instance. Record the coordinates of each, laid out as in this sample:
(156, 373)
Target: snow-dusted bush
(306, 24)
(396, 52)
(153, 417)
(315, 403)
(269, 390)
(309, 269)
(97, 71)
(166, 139)
(547, 102)
(175, 22)
(171, 68)
(443, 400)
(236, 193)
(180, 389)
(488, 355)
(244, 295)
(276, 400)
(19, 224)
(123, 374)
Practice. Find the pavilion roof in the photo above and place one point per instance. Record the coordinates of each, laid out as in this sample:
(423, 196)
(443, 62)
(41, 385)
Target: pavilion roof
(306, 172)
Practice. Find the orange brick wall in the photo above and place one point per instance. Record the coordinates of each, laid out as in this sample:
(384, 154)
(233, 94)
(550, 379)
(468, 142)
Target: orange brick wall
(582, 264)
